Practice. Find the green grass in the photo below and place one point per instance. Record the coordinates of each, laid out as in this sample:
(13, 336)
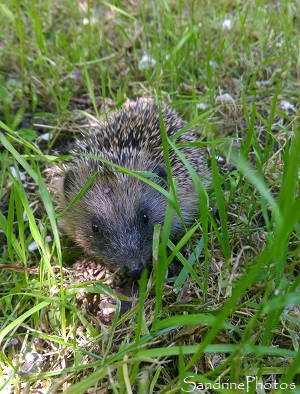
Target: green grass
(233, 309)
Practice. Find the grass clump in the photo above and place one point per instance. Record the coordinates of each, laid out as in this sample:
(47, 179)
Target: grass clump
(230, 316)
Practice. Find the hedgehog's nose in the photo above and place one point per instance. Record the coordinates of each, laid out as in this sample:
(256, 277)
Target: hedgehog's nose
(134, 271)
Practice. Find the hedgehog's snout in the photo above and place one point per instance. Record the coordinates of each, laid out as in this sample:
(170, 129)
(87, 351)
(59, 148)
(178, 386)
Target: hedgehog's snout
(134, 270)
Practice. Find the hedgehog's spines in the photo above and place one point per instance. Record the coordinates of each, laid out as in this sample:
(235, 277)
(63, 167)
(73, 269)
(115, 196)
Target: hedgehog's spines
(118, 203)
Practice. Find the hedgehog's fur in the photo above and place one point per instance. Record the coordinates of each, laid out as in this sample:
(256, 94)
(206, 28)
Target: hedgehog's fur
(113, 220)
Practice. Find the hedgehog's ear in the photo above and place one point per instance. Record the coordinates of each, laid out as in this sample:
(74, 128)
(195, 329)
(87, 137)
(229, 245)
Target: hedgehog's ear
(68, 185)
(161, 172)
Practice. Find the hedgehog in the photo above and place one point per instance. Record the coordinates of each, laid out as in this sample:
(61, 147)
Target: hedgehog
(113, 219)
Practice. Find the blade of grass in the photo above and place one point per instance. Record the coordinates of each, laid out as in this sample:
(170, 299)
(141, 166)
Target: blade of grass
(21, 318)
(221, 206)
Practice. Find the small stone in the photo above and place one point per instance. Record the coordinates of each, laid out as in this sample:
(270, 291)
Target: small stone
(213, 64)
(146, 62)
(16, 173)
(46, 137)
(225, 98)
(33, 245)
(227, 24)
(220, 159)
(287, 107)
(202, 106)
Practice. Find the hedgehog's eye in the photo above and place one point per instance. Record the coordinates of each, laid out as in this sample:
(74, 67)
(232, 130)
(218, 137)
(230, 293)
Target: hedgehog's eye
(145, 218)
(95, 228)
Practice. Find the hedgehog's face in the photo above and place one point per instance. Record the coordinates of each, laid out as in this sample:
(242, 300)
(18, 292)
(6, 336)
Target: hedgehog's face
(114, 221)
(123, 241)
